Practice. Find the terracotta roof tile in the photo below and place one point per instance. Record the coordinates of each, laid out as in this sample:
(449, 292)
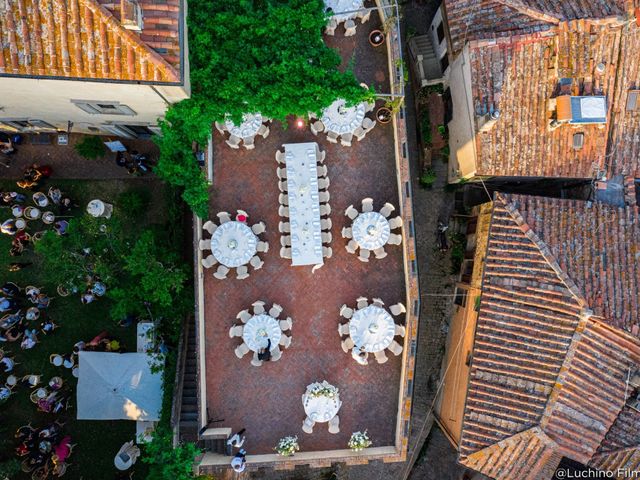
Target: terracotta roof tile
(624, 433)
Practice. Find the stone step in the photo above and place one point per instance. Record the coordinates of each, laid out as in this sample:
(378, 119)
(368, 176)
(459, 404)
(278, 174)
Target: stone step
(188, 417)
(189, 407)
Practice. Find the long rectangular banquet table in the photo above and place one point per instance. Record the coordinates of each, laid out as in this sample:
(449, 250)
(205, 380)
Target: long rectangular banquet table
(301, 160)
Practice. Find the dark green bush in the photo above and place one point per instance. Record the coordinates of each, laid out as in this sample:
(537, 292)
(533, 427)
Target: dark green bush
(90, 147)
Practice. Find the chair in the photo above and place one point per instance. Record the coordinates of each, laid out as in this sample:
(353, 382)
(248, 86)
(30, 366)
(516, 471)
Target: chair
(330, 30)
(242, 350)
(280, 157)
(286, 324)
(364, 16)
(381, 357)
(283, 211)
(387, 209)
(248, 143)
(345, 139)
(326, 237)
(323, 183)
(56, 360)
(334, 425)
(347, 232)
(316, 127)
(359, 133)
(220, 127)
(209, 262)
(322, 171)
(285, 240)
(255, 361)
(332, 137)
(395, 348)
(349, 28)
(258, 228)
(324, 197)
(325, 224)
(367, 205)
(209, 226)
(378, 302)
(397, 309)
(307, 425)
(223, 217)
(325, 210)
(236, 331)
(343, 329)
(285, 252)
(400, 330)
(346, 312)
(347, 344)
(351, 212)
(264, 131)
(204, 244)
(262, 247)
(242, 272)
(327, 252)
(394, 239)
(364, 255)
(258, 307)
(244, 316)
(282, 173)
(275, 310)
(352, 246)
(256, 262)
(284, 227)
(363, 302)
(380, 253)
(276, 354)
(368, 124)
(322, 156)
(221, 272)
(233, 142)
(395, 222)
(285, 341)
(282, 186)
(283, 199)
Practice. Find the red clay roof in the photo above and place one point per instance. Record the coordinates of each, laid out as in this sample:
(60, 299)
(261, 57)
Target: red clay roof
(82, 39)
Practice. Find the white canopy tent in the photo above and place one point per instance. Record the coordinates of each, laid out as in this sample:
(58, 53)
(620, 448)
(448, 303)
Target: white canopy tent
(115, 386)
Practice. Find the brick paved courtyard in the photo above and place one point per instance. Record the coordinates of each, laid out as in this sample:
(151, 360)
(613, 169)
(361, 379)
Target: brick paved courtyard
(267, 400)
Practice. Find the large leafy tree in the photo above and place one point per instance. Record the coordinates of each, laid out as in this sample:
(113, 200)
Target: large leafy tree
(247, 56)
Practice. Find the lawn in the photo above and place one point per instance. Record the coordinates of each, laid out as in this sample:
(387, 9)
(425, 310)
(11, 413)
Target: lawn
(97, 442)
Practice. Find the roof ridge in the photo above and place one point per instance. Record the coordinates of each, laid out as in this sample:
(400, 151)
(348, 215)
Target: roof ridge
(530, 12)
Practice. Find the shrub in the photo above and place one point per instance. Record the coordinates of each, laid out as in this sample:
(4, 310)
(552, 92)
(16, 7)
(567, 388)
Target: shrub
(425, 128)
(9, 469)
(458, 245)
(90, 147)
(428, 177)
(167, 462)
(133, 202)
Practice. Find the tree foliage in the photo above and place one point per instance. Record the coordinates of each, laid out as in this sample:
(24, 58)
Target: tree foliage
(90, 147)
(166, 462)
(249, 56)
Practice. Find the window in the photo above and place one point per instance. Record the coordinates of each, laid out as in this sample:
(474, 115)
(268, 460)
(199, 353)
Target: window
(131, 131)
(440, 33)
(103, 108)
(460, 298)
(21, 125)
(444, 63)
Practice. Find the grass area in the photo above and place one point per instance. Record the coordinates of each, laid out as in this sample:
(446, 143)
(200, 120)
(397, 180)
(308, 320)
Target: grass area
(97, 441)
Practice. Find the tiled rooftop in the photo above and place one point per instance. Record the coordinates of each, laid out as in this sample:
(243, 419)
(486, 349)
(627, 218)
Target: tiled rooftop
(85, 39)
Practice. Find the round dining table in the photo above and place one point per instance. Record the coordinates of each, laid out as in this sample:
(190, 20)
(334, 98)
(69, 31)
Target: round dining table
(259, 329)
(372, 329)
(248, 128)
(371, 230)
(233, 244)
(321, 408)
(337, 6)
(340, 119)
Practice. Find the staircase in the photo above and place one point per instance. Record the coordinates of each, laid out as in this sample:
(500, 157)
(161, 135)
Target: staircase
(426, 66)
(189, 408)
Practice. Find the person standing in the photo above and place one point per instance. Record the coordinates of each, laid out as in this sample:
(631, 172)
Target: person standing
(238, 462)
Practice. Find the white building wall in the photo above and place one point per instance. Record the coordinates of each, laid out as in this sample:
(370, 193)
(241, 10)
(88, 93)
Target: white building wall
(439, 47)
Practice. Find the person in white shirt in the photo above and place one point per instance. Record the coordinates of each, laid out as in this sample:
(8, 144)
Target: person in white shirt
(238, 462)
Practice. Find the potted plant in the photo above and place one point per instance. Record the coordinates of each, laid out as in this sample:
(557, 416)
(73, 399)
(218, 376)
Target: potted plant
(323, 389)
(287, 446)
(390, 108)
(376, 38)
(359, 441)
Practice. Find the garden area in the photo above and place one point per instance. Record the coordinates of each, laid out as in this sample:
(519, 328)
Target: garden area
(137, 256)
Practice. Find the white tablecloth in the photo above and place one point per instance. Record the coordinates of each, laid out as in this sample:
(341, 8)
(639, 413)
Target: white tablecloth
(248, 128)
(343, 6)
(371, 230)
(304, 203)
(233, 244)
(259, 329)
(372, 328)
(321, 409)
(340, 119)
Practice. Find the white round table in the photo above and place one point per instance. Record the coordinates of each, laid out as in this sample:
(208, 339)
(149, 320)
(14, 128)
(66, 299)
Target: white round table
(372, 328)
(339, 119)
(95, 208)
(321, 409)
(338, 6)
(248, 128)
(371, 230)
(259, 329)
(233, 244)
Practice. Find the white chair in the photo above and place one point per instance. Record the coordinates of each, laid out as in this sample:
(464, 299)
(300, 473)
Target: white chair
(387, 210)
(205, 244)
(395, 348)
(323, 183)
(236, 331)
(307, 424)
(258, 307)
(285, 341)
(325, 224)
(326, 237)
(284, 227)
(367, 205)
(330, 30)
(364, 16)
(368, 124)
(363, 302)
(322, 156)
(317, 127)
(282, 186)
(280, 157)
(352, 246)
(209, 226)
(332, 137)
(244, 316)
(258, 228)
(378, 302)
(380, 253)
(262, 247)
(242, 272)
(351, 212)
(275, 310)
(276, 354)
(395, 222)
(364, 254)
(349, 28)
(286, 324)
(256, 262)
(370, 106)
(347, 344)
(209, 262)
(220, 127)
(397, 309)
(343, 329)
(255, 361)
(223, 217)
(400, 330)
(327, 252)
(285, 252)
(285, 240)
(242, 350)
(283, 211)
(345, 139)
(325, 210)
(283, 199)
(322, 171)
(346, 312)
(324, 197)
(347, 232)
(381, 357)
(233, 142)
(221, 272)
(334, 425)
(359, 133)
(394, 239)
(282, 173)
(248, 143)
(264, 131)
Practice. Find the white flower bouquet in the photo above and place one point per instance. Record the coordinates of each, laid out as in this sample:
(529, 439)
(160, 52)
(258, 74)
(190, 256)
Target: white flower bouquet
(287, 446)
(323, 389)
(359, 441)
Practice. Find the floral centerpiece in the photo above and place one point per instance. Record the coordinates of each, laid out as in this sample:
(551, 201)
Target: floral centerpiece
(323, 389)
(287, 446)
(359, 441)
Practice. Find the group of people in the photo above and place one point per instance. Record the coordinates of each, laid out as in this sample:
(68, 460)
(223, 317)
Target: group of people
(134, 162)
(18, 322)
(238, 462)
(45, 450)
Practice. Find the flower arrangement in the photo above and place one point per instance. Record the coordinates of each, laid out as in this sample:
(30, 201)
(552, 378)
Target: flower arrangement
(323, 389)
(287, 446)
(359, 441)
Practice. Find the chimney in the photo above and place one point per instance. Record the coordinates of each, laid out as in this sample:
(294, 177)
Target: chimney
(131, 15)
(488, 120)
